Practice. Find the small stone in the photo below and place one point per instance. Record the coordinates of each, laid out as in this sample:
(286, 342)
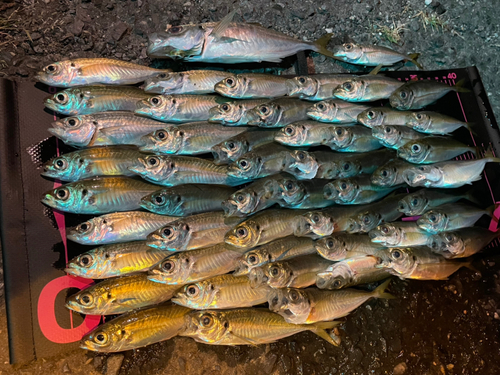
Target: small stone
(267, 364)
(496, 316)
(66, 369)
(329, 30)
(22, 72)
(38, 49)
(76, 27)
(119, 30)
(114, 363)
(450, 366)
(36, 36)
(187, 4)
(400, 368)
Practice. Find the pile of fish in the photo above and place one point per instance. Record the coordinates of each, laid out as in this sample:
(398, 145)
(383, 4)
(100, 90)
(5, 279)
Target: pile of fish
(255, 189)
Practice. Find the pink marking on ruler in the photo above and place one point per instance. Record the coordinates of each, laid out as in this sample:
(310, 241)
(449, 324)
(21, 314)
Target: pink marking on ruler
(495, 217)
(410, 218)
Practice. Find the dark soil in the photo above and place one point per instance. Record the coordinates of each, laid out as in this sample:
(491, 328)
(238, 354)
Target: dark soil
(442, 327)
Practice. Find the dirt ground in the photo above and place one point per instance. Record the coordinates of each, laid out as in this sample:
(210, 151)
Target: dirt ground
(442, 327)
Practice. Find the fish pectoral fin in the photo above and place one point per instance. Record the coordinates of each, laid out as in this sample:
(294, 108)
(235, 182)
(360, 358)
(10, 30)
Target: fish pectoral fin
(225, 39)
(123, 301)
(221, 27)
(376, 69)
(413, 58)
(246, 339)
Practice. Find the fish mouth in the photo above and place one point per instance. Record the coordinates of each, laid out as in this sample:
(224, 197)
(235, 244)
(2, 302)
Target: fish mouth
(229, 208)
(56, 132)
(156, 276)
(88, 345)
(257, 277)
(292, 88)
(71, 271)
(49, 200)
(220, 88)
(153, 87)
(220, 156)
(49, 103)
(214, 115)
(253, 118)
(412, 177)
(156, 243)
(395, 102)
(323, 280)
(138, 169)
(241, 269)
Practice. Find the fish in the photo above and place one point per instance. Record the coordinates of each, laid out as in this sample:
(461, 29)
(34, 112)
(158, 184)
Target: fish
(399, 233)
(419, 94)
(417, 203)
(306, 194)
(308, 165)
(325, 222)
(417, 263)
(195, 265)
(192, 232)
(461, 243)
(252, 86)
(262, 228)
(434, 123)
(451, 216)
(249, 326)
(370, 216)
(262, 161)
(355, 190)
(188, 139)
(354, 164)
(178, 108)
(234, 147)
(277, 250)
(93, 99)
(278, 113)
(304, 133)
(391, 173)
(340, 246)
(446, 174)
(99, 195)
(306, 306)
(335, 111)
(377, 116)
(228, 42)
(186, 200)
(395, 136)
(371, 55)
(234, 113)
(137, 329)
(114, 260)
(433, 149)
(119, 295)
(92, 162)
(319, 87)
(222, 292)
(117, 227)
(104, 129)
(367, 88)
(298, 272)
(351, 272)
(354, 138)
(188, 82)
(253, 198)
(83, 72)
(173, 170)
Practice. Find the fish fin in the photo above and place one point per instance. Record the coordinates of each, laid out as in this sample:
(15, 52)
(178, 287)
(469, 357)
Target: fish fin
(320, 327)
(470, 195)
(469, 265)
(459, 86)
(489, 211)
(246, 339)
(223, 24)
(413, 58)
(380, 292)
(469, 126)
(321, 44)
(376, 69)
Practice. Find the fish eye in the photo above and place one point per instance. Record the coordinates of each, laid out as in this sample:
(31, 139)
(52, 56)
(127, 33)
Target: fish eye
(162, 75)
(347, 166)
(83, 227)
(384, 229)
(240, 198)
(403, 94)
(418, 116)
(61, 163)
(289, 130)
(101, 338)
(370, 115)
(275, 271)
(289, 185)
(388, 129)
(432, 218)
(348, 46)
(155, 100)
(192, 291)
(366, 219)
(421, 169)
(448, 237)
(385, 173)
(264, 109)
(302, 80)
(51, 68)
(86, 299)
(161, 135)
(168, 266)
(62, 98)
(225, 107)
(414, 202)
(71, 122)
(230, 82)
(338, 131)
(321, 106)
(315, 218)
(348, 86)
(62, 193)
(252, 259)
(167, 231)
(206, 320)
(244, 163)
(343, 186)
(153, 161)
(231, 145)
(337, 284)
(294, 296)
(330, 244)
(396, 254)
(242, 232)
(85, 260)
(175, 29)
(301, 155)
(159, 200)
(415, 148)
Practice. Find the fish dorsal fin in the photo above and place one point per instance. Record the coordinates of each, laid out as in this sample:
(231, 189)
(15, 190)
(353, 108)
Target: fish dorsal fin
(221, 27)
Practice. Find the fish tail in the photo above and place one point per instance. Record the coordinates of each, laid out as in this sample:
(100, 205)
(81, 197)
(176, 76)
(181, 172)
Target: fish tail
(459, 86)
(490, 210)
(380, 292)
(413, 58)
(320, 330)
(321, 44)
(471, 195)
(469, 265)
(469, 126)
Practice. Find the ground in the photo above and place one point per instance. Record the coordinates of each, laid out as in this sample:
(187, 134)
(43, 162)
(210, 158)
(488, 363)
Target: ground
(442, 327)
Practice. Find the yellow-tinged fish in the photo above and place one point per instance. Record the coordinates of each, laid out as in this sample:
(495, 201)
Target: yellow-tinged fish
(137, 329)
(81, 72)
(246, 327)
(191, 266)
(262, 228)
(340, 246)
(189, 82)
(119, 295)
(234, 113)
(311, 305)
(114, 260)
(252, 86)
(222, 292)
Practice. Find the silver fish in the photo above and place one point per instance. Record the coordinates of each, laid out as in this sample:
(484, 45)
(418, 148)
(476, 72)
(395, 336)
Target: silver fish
(319, 87)
(323, 223)
(178, 108)
(117, 227)
(252, 86)
(429, 150)
(104, 129)
(377, 116)
(234, 113)
(189, 139)
(232, 148)
(370, 216)
(304, 133)
(371, 55)
(367, 88)
(317, 164)
(307, 194)
(399, 234)
(418, 94)
(188, 82)
(391, 173)
(278, 113)
(355, 190)
(186, 200)
(417, 203)
(335, 111)
(354, 138)
(395, 136)
(354, 164)
(340, 246)
(434, 123)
